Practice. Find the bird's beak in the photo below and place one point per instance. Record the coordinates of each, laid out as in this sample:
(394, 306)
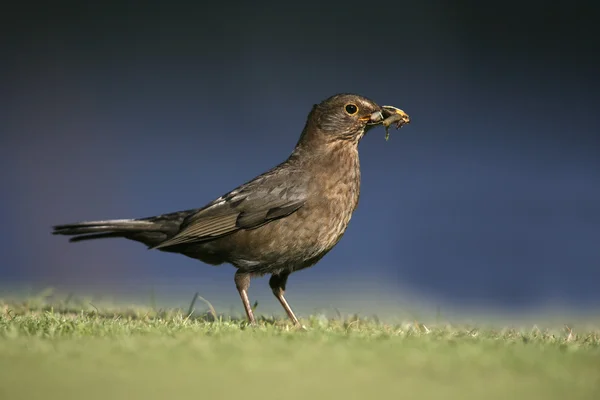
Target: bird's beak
(387, 116)
(391, 111)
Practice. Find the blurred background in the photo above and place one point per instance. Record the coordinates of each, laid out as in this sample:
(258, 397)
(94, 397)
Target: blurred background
(490, 199)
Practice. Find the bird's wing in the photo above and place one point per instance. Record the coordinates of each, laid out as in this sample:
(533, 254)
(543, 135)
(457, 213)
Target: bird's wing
(266, 198)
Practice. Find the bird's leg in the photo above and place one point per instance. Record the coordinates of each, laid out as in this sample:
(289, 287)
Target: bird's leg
(277, 283)
(242, 283)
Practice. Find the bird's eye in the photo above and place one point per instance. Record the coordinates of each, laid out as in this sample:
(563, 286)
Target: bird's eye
(351, 109)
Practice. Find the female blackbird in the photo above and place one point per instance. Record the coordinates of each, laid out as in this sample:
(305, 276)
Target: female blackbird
(280, 222)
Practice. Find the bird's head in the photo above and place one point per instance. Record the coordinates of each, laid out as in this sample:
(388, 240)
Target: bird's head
(348, 116)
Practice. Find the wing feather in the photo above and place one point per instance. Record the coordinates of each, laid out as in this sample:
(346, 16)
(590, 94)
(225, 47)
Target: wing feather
(268, 197)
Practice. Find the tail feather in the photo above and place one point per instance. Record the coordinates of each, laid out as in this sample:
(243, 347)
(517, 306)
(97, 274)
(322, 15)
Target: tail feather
(150, 231)
(115, 225)
(107, 235)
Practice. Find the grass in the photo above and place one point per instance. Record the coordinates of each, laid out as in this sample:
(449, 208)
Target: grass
(78, 351)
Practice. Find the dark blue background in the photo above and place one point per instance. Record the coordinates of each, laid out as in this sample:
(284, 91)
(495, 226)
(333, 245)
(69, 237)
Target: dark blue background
(491, 197)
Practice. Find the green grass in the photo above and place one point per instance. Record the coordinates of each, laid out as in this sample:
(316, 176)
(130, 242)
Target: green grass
(129, 353)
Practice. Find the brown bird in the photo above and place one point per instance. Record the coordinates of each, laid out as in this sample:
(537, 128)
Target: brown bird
(280, 222)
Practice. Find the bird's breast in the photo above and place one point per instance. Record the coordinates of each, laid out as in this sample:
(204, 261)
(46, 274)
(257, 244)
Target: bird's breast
(334, 197)
(299, 240)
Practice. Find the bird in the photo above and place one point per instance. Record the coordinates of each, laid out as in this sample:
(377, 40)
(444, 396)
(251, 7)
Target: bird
(280, 222)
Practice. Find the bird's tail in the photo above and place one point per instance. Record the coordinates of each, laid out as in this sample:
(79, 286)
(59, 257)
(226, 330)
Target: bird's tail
(150, 231)
(105, 229)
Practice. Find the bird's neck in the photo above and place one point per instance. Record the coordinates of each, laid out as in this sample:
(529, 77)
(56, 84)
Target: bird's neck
(330, 161)
(315, 144)
(327, 154)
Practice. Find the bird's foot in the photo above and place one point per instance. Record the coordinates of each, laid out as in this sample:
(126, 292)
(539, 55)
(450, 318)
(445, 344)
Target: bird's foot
(300, 328)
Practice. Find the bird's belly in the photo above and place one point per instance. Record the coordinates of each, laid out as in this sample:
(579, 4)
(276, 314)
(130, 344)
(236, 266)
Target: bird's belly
(292, 243)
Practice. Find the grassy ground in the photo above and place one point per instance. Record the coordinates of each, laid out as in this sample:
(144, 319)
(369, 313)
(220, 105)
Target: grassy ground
(66, 352)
